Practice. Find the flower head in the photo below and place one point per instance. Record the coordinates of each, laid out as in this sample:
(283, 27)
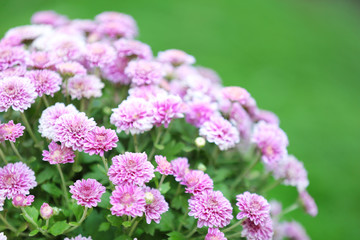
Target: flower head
(70, 68)
(2, 236)
(127, 199)
(131, 168)
(198, 112)
(11, 56)
(49, 17)
(156, 206)
(83, 86)
(45, 81)
(99, 54)
(46, 211)
(175, 57)
(164, 167)
(78, 237)
(17, 93)
(166, 108)
(261, 231)
(211, 209)
(215, 234)
(100, 140)
(292, 230)
(58, 154)
(253, 206)
(143, 72)
(197, 181)
(16, 178)
(115, 71)
(2, 199)
(87, 192)
(21, 200)
(42, 59)
(10, 131)
(132, 48)
(116, 25)
(308, 203)
(236, 94)
(180, 167)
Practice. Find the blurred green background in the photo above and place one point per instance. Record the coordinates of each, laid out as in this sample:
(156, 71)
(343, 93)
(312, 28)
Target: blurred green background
(299, 59)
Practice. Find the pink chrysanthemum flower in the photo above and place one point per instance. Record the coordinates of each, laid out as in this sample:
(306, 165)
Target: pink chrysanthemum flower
(155, 205)
(253, 206)
(116, 25)
(16, 178)
(70, 68)
(147, 92)
(67, 47)
(198, 112)
(100, 140)
(115, 71)
(127, 199)
(42, 60)
(84, 86)
(10, 131)
(308, 203)
(45, 81)
(293, 173)
(50, 18)
(197, 181)
(166, 108)
(11, 56)
(58, 154)
(99, 54)
(134, 115)
(28, 32)
(292, 230)
(215, 234)
(275, 208)
(241, 119)
(16, 71)
(49, 117)
(257, 232)
(87, 192)
(209, 74)
(72, 128)
(17, 93)
(132, 168)
(175, 57)
(46, 211)
(267, 116)
(180, 166)
(21, 200)
(164, 167)
(220, 131)
(236, 94)
(143, 72)
(211, 209)
(271, 140)
(78, 237)
(2, 199)
(132, 48)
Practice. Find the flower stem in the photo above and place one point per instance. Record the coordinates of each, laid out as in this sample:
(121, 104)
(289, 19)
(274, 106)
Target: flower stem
(63, 184)
(28, 128)
(79, 223)
(82, 105)
(45, 100)
(234, 235)
(16, 151)
(161, 181)
(244, 174)
(157, 140)
(234, 226)
(182, 220)
(191, 233)
(135, 143)
(7, 224)
(3, 156)
(43, 232)
(289, 209)
(271, 186)
(134, 227)
(105, 164)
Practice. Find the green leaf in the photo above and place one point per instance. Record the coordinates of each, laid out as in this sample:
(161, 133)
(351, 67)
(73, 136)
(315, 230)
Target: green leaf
(59, 228)
(120, 148)
(165, 188)
(176, 236)
(167, 222)
(32, 212)
(159, 146)
(123, 237)
(33, 233)
(77, 210)
(45, 175)
(105, 200)
(22, 227)
(114, 221)
(104, 227)
(73, 224)
(126, 224)
(148, 228)
(77, 168)
(52, 189)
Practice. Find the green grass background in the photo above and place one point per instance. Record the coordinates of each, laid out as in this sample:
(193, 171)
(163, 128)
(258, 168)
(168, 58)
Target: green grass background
(299, 59)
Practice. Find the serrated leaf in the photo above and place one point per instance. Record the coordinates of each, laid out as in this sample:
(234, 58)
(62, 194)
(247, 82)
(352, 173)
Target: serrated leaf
(52, 189)
(126, 224)
(59, 228)
(104, 227)
(176, 236)
(33, 233)
(165, 187)
(32, 212)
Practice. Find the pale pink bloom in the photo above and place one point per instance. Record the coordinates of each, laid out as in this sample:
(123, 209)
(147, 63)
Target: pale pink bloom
(79, 237)
(275, 208)
(67, 47)
(11, 56)
(175, 57)
(127, 199)
(49, 117)
(21, 200)
(49, 17)
(211, 209)
(198, 112)
(257, 232)
(308, 203)
(241, 119)
(131, 168)
(42, 59)
(291, 230)
(116, 25)
(166, 108)
(72, 128)
(164, 167)
(134, 115)
(45, 81)
(10, 131)
(28, 32)
(267, 116)
(132, 48)
(209, 74)
(143, 72)
(253, 207)
(2, 200)
(100, 140)
(83, 86)
(115, 71)
(17, 93)
(197, 181)
(99, 54)
(15, 71)
(147, 92)
(155, 205)
(87, 192)
(215, 234)
(220, 131)
(2, 236)
(236, 94)
(58, 154)
(69, 69)
(46, 211)
(11, 41)
(180, 167)
(16, 178)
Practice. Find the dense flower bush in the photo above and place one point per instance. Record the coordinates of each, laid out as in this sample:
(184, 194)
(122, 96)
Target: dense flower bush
(113, 142)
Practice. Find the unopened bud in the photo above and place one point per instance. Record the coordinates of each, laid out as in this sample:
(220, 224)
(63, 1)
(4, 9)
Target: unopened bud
(22, 200)
(201, 167)
(46, 211)
(149, 198)
(200, 142)
(56, 210)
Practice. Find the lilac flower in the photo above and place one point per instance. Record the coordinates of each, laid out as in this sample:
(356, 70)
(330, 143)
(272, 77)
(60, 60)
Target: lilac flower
(16, 178)
(99, 54)
(180, 166)
(49, 17)
(209, 74)
(147, 92)
(143, 72)
(67, 48)
(155, 205)
(83, 86)
(16, 71)
(132, 48)
(220, 131)
(166, 108)
(46, 211)
(11, 56)
(164, 167)
(197, 181)
(134, 115)
(198, 112)
(236, 94)
(128, 200)
(257, 232)
(292, 230)
(45, 81)
(10, 131)
(267, 116)
(132, 168)
(100, 140)
(70, 68)
(58, 154)
(2, 236)
(241, 119)
(308, 203)
(28, 32)
(115, 71)
(116, 25)
(21, 200)
(215, 234)
(175, 57)
(211, 209)
(87, 192)
(17, 93)
(2, 199)
(78, 237)
(254, 207)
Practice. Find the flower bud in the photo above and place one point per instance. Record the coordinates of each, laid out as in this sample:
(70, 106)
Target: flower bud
(149, 198)
(56, 210)
(22, 200)
(46, 211)
(201, 167)
(200, 142)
